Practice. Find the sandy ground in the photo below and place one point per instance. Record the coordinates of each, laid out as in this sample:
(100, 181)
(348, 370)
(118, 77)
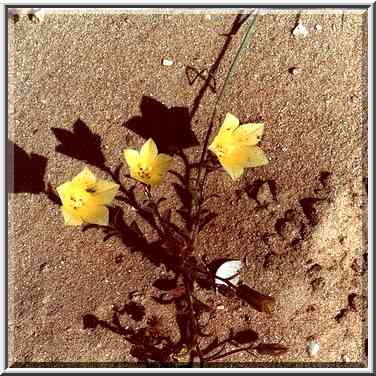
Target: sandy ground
(305, 245)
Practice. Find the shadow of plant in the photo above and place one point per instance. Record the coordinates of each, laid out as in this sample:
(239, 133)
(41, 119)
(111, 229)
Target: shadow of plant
(25, 172)
(174, 246)
(169, 128)
(80, 144)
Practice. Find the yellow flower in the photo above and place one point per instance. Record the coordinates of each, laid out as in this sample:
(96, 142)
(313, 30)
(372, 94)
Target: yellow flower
(85, 198)
(147, 165)
(235, 146)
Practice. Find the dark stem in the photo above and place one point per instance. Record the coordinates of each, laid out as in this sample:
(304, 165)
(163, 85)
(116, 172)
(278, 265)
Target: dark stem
(167, 227)
(192, 317)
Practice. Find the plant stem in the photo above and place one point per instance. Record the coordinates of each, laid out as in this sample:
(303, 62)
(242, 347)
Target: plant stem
(200, 183)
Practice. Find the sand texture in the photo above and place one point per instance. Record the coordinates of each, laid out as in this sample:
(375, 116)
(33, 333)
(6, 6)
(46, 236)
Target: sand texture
(298, 223)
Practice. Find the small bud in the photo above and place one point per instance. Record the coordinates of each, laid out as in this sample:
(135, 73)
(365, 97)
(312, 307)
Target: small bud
(258, 301)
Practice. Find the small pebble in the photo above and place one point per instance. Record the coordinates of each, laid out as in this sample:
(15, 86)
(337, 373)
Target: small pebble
(295, 71)
(208, 17)
(313, 346)
(345, 358)
(221, 307)
(167, 62)
(318, 27)
(300, 31)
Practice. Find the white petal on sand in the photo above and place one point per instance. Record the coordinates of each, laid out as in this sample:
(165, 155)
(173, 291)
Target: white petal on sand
(229, 270)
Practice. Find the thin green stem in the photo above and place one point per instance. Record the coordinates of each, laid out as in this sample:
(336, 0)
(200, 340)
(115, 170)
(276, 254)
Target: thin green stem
(200, 183)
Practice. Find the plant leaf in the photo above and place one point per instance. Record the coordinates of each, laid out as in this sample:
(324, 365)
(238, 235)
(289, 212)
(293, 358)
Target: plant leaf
(245, 336)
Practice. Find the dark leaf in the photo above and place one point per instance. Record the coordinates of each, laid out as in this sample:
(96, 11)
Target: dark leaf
(90, 321)
(258, 301)
(271, 349)
(136, 311)
(212, 163)
(245, 336)
(122, 199)
(206, 282)
(80, 144)
(208, 218)
(165, 284)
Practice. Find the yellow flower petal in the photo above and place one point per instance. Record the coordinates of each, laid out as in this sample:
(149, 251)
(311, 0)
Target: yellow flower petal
(153, 180)
(105, 191)
(234, 145)
(132, 157)
(98, 215)
(256, 157)
(230, 123)
(70, 219)
(160, 167)
(147, 166)
(84, 199)
(162, 163)
(63, 191)
(85, 177)
(234, 171)
(148, 152)
(249, 134)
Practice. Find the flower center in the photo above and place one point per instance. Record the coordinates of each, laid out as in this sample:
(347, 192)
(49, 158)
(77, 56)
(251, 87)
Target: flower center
(77, 202)
(221, 150)
(144, 172)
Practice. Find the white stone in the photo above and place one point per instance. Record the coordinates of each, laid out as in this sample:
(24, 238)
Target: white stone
(300, 31)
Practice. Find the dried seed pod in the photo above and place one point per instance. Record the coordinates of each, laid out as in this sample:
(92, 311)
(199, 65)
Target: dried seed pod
(271, 349)
(258, 301)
